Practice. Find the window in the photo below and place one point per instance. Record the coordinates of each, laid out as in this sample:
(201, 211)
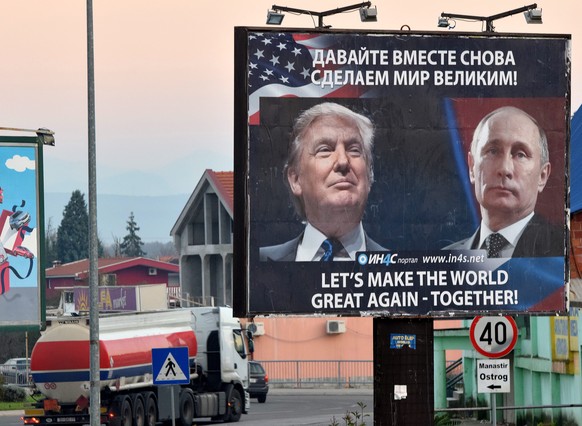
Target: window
(239, 343)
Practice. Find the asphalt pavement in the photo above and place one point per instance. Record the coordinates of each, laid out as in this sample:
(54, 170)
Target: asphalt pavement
(331, 391)
(361, 391)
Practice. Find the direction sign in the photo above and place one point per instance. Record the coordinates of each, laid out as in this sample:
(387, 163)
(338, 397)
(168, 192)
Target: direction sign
(493, 337)
(493, 376)
(170, 366)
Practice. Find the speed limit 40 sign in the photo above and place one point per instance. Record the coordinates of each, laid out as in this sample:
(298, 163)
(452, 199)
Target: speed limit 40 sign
(493, 337)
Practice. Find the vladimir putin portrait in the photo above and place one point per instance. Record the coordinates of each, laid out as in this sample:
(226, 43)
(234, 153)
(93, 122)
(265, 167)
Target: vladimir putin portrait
(509, 167)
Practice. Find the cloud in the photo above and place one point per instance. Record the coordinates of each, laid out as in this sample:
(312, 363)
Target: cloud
(20, 164)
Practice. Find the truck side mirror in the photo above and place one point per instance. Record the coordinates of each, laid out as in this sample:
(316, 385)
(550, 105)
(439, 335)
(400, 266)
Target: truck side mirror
(250, 339)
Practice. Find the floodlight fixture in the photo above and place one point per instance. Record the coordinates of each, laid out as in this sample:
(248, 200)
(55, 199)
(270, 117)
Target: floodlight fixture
(274, 18)
(533, 16)
(46, 136)
(367, 14)
(443, 22)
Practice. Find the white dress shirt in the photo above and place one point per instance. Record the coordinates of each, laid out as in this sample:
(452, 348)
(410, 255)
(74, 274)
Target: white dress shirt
(309, 248)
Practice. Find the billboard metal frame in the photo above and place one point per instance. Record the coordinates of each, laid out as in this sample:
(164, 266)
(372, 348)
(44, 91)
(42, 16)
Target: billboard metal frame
(38, 322)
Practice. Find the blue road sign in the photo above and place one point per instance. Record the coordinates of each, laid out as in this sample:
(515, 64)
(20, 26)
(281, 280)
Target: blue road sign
(170, 366)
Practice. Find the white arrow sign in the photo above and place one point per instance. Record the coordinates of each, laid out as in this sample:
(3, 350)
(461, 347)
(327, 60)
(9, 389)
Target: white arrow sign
(493, 376)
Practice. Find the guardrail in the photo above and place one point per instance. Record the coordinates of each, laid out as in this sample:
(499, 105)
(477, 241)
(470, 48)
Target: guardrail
(315, 373)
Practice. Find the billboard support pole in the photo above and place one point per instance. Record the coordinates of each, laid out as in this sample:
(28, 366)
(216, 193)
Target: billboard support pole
(403, 372)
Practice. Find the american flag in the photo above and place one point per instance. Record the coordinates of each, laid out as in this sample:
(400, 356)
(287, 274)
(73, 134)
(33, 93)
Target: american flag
(281, 64)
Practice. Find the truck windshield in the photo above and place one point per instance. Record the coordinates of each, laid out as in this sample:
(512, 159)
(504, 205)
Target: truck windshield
(239, 343)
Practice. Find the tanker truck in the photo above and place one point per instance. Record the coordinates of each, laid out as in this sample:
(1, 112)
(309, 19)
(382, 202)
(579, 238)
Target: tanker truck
(217, 362)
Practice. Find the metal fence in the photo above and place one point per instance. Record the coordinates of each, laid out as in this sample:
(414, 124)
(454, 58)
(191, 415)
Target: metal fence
(306, 374)
(20, 378)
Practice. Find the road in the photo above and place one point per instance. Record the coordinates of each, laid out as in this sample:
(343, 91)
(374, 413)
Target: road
(287, 407)
(313, 407)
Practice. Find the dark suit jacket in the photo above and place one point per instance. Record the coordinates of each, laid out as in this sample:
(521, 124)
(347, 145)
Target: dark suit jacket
(287, 252)
(539, 239)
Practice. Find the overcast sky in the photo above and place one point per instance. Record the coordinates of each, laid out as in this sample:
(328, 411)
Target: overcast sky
(164, 78)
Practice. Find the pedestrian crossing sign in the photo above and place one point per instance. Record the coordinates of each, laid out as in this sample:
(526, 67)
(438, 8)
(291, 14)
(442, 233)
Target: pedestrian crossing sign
(170, 366)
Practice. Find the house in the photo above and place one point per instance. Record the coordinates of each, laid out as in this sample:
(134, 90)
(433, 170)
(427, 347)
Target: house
(203, 236)
(112, 272)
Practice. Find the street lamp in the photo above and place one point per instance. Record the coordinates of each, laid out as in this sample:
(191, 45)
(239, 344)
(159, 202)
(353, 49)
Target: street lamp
(367, 14)
(532, 16)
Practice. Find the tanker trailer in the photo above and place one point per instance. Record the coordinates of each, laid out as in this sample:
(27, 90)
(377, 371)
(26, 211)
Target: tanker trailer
(218, 369)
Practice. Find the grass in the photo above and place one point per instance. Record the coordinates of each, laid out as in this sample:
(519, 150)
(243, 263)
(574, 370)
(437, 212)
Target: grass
(5, 406)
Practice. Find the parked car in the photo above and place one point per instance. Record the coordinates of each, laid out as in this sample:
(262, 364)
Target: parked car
(16, 371)
(259, 386)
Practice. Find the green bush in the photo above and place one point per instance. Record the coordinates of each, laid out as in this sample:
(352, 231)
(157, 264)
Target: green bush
(11, 393)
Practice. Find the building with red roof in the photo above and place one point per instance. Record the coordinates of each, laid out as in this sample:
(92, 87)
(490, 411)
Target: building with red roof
(203, 235)
(112, 272)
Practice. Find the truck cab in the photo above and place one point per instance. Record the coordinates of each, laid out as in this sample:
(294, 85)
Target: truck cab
(222, 356)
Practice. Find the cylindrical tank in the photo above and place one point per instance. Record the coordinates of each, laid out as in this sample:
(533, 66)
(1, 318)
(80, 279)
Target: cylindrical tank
(60, 359)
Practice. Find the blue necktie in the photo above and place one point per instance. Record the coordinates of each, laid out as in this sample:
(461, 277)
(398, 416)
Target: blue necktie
(331, 247)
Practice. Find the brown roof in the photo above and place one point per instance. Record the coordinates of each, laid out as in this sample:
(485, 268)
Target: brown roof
(224, 183)
(80, 268)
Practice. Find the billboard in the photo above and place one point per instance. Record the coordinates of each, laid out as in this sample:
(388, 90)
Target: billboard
(21, 271)
(357, 147)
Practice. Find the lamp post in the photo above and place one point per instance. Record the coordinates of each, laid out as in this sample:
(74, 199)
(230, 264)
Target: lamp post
(95, 395)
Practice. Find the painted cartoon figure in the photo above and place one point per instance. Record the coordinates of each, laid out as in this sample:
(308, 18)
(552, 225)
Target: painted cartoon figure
(13, 229)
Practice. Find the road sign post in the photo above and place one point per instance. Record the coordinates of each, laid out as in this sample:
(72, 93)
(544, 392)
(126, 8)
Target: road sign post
(493, 376)
(170, 366)
(493, 337)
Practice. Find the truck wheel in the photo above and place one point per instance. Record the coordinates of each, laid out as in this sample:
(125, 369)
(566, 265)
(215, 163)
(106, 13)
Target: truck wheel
(234, 408)
(138, 411)
(151, 409)
(186, 408)
(262, 399)
(124, 414)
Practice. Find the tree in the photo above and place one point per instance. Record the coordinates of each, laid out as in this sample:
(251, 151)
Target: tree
(116, 246)
(73, 232)
(50, 244)
(131, 244)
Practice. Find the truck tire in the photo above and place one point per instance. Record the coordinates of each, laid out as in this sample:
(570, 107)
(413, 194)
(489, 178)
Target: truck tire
(123, 411)
(234, 407)
(138, 410)
(151, 409)
(262, 399)
(186, 407)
